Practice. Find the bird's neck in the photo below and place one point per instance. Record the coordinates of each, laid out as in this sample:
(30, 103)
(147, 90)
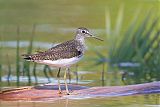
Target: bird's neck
(80, 38)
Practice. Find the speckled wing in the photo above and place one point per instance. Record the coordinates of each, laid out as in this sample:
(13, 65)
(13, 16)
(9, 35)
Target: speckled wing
(65, 50)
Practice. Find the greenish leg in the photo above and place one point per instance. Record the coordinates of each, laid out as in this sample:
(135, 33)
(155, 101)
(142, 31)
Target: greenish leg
(59, 85)
(65, 77)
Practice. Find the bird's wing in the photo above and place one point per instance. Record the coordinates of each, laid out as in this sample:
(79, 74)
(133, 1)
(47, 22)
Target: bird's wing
(61, 51)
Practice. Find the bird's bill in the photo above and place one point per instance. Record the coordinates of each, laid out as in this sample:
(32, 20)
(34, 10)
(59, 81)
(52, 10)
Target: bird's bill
(94, 36)
(97, 38)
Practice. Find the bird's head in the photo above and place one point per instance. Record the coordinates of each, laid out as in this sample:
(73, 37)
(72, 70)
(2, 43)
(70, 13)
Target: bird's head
(84, 33)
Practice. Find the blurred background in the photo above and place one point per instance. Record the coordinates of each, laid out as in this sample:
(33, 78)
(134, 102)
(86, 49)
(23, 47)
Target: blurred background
(130, 29)
(129, 54)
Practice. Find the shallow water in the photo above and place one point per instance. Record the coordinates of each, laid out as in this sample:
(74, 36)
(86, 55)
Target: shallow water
(126, 101)
(150, 100)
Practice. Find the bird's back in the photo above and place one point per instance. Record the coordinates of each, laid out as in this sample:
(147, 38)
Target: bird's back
(66, 50)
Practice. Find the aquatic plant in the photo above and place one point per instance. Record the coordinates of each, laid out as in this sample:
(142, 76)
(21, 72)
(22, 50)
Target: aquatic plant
(26, 64)
(17, 56)
(0, 72)
(45, 69)
(134, 51)
(9, 69)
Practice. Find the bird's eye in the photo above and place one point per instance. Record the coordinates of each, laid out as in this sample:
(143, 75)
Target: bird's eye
(83, 31)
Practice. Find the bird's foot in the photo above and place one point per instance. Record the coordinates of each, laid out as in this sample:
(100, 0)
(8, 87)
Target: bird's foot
(67, 93)
(70, 92)
(59, 92)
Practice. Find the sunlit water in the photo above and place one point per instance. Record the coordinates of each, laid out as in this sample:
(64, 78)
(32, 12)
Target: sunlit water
(127, 101)
(151, 100)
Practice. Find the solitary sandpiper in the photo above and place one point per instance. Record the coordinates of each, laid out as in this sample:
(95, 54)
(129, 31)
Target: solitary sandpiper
(63, 55)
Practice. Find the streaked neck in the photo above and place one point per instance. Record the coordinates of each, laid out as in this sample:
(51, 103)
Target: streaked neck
(80, 38)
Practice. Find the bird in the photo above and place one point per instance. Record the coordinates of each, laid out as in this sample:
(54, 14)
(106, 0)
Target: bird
(64, 54)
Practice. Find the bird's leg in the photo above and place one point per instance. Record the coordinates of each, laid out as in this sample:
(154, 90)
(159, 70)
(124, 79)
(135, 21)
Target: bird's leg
(65, 77)
(69, 75)
(59, 85)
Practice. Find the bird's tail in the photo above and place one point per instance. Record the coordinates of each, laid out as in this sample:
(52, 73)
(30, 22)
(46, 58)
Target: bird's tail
(27, 57)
